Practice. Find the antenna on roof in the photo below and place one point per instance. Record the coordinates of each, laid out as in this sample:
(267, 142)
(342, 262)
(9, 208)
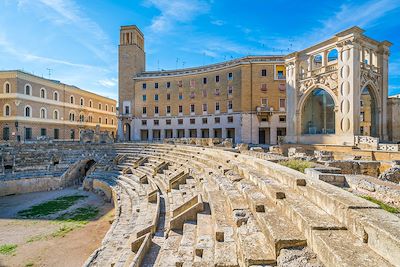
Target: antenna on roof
(50, 70)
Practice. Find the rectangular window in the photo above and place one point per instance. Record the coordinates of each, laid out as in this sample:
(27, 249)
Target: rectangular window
(180, 96)
(280, 74)
(156, 97)
(144, 122)
(144, 98)
(264, 72)
(156, 85)
(144, 86)
(168, 122)
(168, 109)
(168, 84)
(43, 132)
(205, 107)
(362, 114)
(180, 83)
(204, 120)
(204, 80)
(282, 87)
(217, 92)
(168, 96)
(230, 119)
(192, 95)
(230, 105)
(180, 121)
(217, 79)
(126, 110)
(217, 106)
(144, 110)
(156, 109)
(230, 90)
(263, 87)
(156, 122)
(230, 76)
(361, 103)
(192, 121)
(192, 108)
(56, 133)
(180, 109)
(282, 103)
(217, 119)
(282, 118)
(192, 83)
(264, 102)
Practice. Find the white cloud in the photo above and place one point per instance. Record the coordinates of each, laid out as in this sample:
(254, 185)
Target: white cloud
(109, 83)
(175, 11)
(218, 22)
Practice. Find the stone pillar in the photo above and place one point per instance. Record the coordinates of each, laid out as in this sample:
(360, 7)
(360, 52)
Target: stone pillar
(383, 63)
(291, 94)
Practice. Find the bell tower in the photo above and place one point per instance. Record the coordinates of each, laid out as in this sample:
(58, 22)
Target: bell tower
(131, 61)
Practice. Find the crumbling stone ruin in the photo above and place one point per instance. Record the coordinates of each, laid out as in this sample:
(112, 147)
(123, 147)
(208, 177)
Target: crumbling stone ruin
(187, 205)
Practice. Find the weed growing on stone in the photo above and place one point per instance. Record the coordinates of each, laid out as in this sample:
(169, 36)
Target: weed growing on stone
(298, 165)
(80, 216)
(50, 207)
(8, 249)
(384, 206)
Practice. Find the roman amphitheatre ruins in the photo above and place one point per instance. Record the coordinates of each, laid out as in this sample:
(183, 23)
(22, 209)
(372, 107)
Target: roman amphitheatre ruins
(201, 202)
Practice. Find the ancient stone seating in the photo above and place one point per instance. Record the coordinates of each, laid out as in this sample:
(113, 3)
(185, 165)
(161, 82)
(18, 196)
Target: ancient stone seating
(228, 209)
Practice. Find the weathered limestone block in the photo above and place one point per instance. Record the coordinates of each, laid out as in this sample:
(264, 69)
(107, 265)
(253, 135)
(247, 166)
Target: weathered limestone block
(391, 175)
(242, 147)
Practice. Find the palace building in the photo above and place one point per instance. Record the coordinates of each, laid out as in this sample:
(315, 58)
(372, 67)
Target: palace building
(334, 91)
(242, 99)
(33, 107)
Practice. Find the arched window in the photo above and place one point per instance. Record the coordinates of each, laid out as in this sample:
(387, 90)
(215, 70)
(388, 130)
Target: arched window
(106, 108)
(112, 108)
(43, 113)
(90, 118)
(55, 115)
(28, 111)
(112, 121)
(81, 118)
(42, 93)
(90, 103)
(7, 88)
(99, 105)
(72, 116)
(72, 99)
(55, 96)
(106, 121)
(317, 61)
(7, 110)
(100, 120)
(82, 102)
(28, 89)
(318, 115)
(332, 55)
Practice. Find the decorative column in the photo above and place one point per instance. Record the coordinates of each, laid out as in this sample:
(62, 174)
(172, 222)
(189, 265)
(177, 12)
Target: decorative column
(383, 64)
(291, 94)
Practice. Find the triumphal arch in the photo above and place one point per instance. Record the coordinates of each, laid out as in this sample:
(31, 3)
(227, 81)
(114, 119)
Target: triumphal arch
(337, 90)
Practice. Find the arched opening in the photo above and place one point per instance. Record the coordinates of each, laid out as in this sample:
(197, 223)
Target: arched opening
(332, 55)
(318, 114)
(368, 113)
(127, 132)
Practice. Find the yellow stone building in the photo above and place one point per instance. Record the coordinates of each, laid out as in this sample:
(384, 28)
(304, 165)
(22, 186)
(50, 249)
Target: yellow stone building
(33, 107)
(243, 99)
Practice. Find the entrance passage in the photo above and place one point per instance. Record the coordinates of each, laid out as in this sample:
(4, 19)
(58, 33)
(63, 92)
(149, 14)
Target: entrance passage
(264, 135)
(230, 133)
(168, 133)
(218, 133)
(180, 133)
(6, 133)
(127, 132)
(205, 133)
(156, 135)
(193, 133)
(144, 135)
(280, 133)
(368, 113)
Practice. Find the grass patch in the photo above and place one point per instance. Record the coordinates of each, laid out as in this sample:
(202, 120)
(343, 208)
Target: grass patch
(65, 229)
(383, 205)
(8, 249)
(35, 238)
(298, 165)
(80, 216)
(29, 264)
(50, 207)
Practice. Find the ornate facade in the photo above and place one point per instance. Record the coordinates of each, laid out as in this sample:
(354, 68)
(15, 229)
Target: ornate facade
(326, 85)
(33, 108)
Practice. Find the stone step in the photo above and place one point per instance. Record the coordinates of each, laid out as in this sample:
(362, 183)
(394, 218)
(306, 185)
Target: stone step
(204, 247)
(341, 248)
(186, 247)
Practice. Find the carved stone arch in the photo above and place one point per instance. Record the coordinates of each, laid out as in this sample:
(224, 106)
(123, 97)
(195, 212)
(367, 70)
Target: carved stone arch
(374, 91)
(308, 91)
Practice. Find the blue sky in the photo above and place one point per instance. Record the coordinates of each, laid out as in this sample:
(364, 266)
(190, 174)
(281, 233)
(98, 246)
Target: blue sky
(78, 40)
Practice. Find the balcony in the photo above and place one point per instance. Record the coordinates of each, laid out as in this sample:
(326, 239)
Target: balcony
(126, 115)
(280, 77)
